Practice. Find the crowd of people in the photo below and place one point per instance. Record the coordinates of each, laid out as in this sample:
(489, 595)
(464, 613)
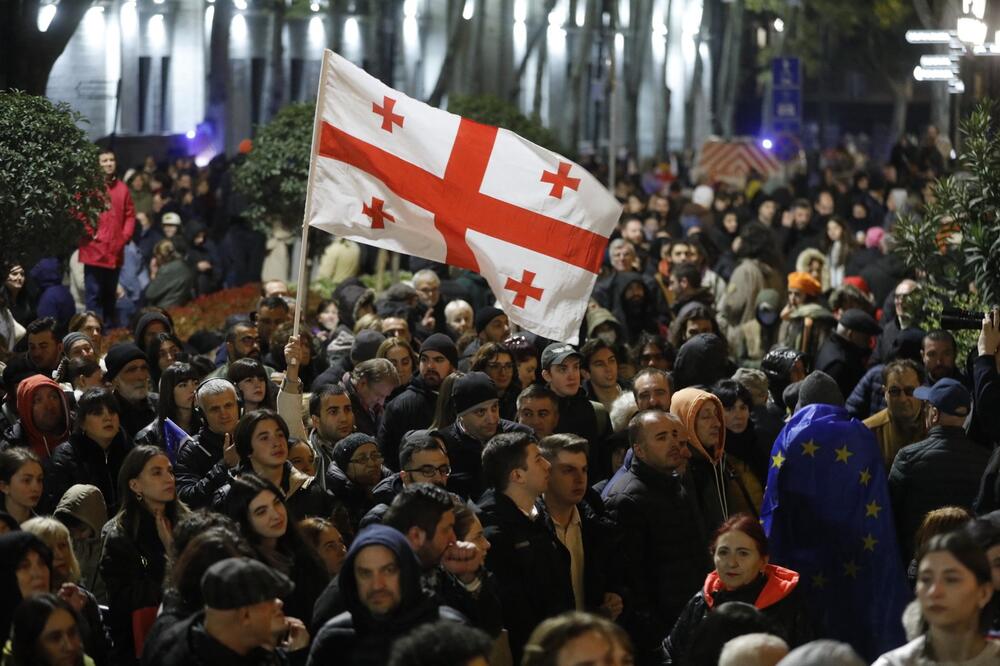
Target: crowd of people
(757, 454)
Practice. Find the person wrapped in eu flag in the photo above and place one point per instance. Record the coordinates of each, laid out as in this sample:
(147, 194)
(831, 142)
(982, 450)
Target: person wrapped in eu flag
(827, 515)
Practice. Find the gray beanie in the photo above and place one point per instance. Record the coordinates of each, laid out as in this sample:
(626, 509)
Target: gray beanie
(819, 387)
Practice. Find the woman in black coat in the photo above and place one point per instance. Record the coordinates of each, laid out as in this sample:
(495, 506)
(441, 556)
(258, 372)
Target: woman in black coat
(137, 541)
(742, 573)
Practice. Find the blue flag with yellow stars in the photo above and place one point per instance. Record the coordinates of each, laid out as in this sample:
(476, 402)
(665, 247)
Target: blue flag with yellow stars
(173, 437)
(827, 516)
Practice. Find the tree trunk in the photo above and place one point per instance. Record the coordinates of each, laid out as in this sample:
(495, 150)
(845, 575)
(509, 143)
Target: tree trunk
(636, 50)
(577, 90)
(276, 97)
(218, 77)
(536, 35)
(28, 55)
(335, 34)
(729, 76)
(695, 91)
(543, 63)
(902, 92)
(663, 119)
(474, 64)
(454, 45)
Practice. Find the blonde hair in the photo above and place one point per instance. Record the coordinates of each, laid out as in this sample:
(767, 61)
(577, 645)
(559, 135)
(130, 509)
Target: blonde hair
(50, 531)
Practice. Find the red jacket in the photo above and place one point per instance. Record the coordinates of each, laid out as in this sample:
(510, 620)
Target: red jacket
(105, 245)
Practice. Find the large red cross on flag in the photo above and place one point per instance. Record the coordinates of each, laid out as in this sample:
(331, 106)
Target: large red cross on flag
(531, 222)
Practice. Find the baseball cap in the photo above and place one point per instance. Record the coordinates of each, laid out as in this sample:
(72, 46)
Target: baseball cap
(171, 220)
(557, 352)
(949, 395)
(236, 582)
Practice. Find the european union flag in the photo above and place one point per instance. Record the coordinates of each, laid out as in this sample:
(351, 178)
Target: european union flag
(173, 437)
(827, 516)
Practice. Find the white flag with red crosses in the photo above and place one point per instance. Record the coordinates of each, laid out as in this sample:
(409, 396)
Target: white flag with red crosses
(391, 171)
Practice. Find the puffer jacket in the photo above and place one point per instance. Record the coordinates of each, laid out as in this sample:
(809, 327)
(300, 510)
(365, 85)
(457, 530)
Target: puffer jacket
(81, 460)
(200, 469)
(354, 498)
(664, 548)
(412, 409)
(773, 593)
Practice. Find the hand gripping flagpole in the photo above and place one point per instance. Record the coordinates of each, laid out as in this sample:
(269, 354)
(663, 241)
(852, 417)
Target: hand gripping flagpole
(300, 292)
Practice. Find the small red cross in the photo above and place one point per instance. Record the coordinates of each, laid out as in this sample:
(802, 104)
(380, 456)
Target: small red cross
(524, 289)
(560, 179)
(388, 117)
(376, 213)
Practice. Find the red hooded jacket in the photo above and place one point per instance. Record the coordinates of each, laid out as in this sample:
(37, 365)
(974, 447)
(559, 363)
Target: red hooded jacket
(41, 444)
(105, 245)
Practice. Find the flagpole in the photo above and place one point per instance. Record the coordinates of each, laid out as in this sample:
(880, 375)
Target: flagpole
(300, 292)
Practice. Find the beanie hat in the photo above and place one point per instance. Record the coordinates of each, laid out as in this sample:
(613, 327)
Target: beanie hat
(366, 345)
(858, 282)
(805, 283)
(472, 390)
(819, 388)
(119, 356)
(442, 344)
(72, 338)
(485, 316)
(345, 448)
(873, 237)
(755, 381)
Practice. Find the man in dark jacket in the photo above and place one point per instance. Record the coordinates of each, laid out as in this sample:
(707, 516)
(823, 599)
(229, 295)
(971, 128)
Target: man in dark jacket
(590, 539)
(380, 584)
(664, 548)
(204, 462)
(242, 622)
(128, 374)
(413, 409)
(844, 354)
(451, 569)
(577, 415)
(368, 386)
(478, 408)
(942, 470)
(423, 458)
(531, 565)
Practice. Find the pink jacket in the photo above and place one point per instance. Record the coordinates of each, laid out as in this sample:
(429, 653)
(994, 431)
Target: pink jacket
(105, 245)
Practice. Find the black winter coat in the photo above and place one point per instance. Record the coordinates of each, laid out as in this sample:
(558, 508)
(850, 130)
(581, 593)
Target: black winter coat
(82, 460)
(774, 593)
(942, 470)
(664, 548)
(843, 361)
(465, 454)
(412, 409)
(200, 469)
(133, 570)
(531, 566)
(188, 644)
(355, 499)
(137, 415)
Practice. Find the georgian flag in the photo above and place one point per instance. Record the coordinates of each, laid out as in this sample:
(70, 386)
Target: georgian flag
(391, 171)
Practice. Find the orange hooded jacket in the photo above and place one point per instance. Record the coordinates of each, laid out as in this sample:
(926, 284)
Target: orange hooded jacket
(39, 442)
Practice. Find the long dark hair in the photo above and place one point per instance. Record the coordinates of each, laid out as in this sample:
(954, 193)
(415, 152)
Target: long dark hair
(153, 353)
(245, 368)
(167, 407)
(29, 623)
(242, 491)
(243, 435)
(131, 510)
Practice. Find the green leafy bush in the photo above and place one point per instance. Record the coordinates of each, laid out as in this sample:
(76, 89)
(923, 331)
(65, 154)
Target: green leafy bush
(955, 245)
(50, 180)
(275, 173)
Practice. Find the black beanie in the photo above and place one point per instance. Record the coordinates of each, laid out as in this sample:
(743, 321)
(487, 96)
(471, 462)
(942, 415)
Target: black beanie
(485, 316)
(442, 344)
(472, 389)
(345, 448)
(119, 356)
(366, 345)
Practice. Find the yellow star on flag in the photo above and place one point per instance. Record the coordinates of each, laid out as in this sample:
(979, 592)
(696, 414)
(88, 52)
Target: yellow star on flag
(843, 454)
(865, 477)
(819, 581)
(851, 569)
(810, 448)
(778, 460)
(870, 542)
(872, 509)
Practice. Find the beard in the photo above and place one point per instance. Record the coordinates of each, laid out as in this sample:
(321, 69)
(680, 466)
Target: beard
(133, 391)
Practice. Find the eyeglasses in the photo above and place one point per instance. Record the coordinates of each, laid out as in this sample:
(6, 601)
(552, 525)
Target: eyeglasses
(509, 367)
(896, 391)
(376, 458)
(428, 471)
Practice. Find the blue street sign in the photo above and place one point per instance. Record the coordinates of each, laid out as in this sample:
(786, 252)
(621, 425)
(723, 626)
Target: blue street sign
(786, 73)
(786, 110)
